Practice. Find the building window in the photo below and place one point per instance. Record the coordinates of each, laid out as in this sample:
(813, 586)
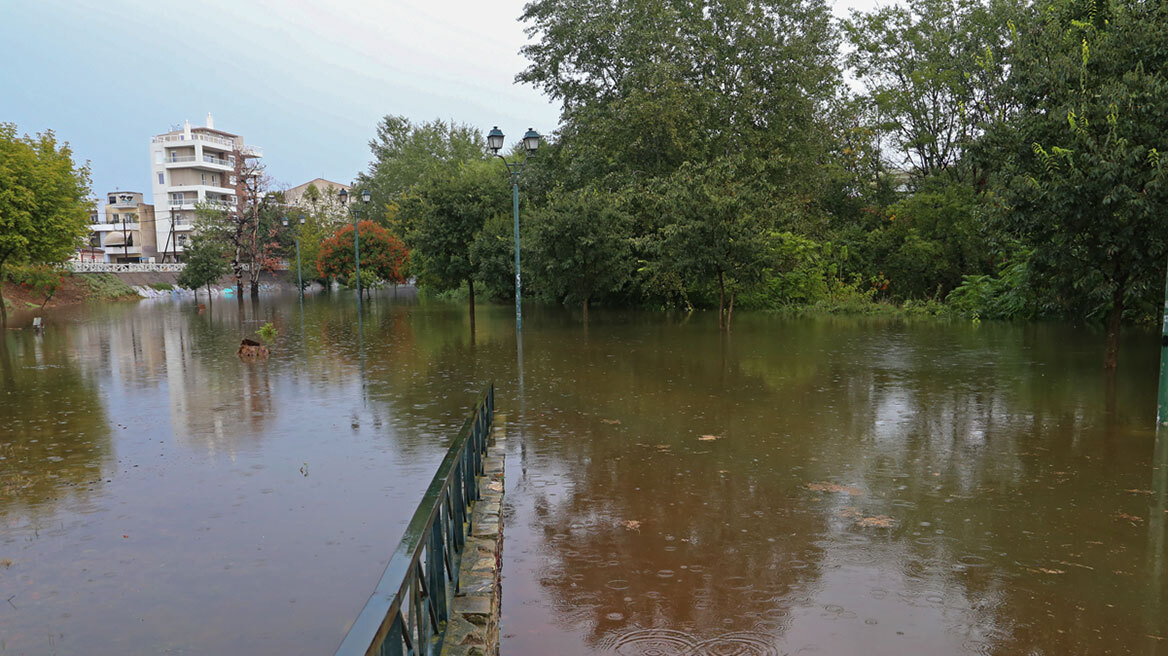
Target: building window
(160, 178)
(112, 200)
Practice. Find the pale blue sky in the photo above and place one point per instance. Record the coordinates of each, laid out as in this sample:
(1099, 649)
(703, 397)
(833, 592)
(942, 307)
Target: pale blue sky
(306, 81)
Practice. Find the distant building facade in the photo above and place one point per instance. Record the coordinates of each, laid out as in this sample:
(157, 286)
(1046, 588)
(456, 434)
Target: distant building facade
(191, 166)
(324, 188)
(124, 233)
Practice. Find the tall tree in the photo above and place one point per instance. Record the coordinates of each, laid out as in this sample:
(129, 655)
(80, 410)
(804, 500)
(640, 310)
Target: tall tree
(719, 217)
(935, 70)
(44, 211)
(445, 214)
(648, 85)
(1088, 191)
(406, 153)
(206, 262)
(581, 247)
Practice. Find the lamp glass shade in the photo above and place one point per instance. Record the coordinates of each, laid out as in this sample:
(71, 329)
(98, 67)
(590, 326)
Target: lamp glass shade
(531, 140)
(365, 196)
(495, 139)
(285, 222)
(343, 195)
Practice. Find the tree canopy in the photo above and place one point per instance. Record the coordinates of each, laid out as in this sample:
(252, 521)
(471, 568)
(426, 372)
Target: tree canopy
(44, 200)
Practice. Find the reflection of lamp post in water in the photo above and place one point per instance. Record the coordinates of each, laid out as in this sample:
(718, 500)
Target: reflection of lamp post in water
(343, 195)
(531, 143)
(299, 279)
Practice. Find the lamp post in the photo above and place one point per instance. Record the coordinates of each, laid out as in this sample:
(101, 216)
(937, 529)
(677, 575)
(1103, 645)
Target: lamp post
(531, 144)
(343, 194)
(299, 279)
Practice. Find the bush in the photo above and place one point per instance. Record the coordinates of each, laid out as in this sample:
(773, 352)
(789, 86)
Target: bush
(40, 278)
(107, 286)
(1004, 296)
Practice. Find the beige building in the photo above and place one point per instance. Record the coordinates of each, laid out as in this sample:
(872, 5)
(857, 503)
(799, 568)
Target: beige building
(192, 166)
(125, 233)
(324, 189)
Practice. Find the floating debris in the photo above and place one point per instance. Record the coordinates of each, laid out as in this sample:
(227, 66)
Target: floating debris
(834, 487)
(859, 519)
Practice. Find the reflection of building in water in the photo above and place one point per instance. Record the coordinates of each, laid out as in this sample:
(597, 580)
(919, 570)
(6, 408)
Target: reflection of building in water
(216, 401)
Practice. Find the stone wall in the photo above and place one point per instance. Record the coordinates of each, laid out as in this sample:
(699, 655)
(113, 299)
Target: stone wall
(474, 624)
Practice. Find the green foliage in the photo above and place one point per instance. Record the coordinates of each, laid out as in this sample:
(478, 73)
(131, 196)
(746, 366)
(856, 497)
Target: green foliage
(268, 332)
(1007, 295)
(581, 247)
(493, 254)
(206, 261)
(445, 215)
(44, 211)
(1087, 191)
(717, 219)
(43, 279)
(406, 154)
(107, 287)
(936, 74)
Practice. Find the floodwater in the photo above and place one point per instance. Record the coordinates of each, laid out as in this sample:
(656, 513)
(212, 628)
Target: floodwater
(833, 486)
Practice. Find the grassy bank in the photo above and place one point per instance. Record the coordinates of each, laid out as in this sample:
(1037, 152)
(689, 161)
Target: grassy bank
(20, 294)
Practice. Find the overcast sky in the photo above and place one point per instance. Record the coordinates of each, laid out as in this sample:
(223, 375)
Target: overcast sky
(306, 81)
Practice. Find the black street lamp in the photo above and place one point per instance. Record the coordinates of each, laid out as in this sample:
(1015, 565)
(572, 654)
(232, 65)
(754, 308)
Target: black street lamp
(531, 144)
(343, 195)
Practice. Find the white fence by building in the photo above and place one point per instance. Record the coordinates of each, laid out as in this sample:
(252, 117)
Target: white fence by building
(113, 267)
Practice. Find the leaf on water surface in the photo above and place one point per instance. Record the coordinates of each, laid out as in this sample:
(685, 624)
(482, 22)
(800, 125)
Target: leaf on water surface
(1044, 570)
(1134, 491)
(5, 563)
(876, 521)
(1070, 564)
(1131, 518)
(611, 422)
(709, 438)
(834, 487)
(631, 524)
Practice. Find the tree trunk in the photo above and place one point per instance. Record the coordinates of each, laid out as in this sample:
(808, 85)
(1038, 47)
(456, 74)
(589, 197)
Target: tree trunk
(584, 307)
(3, 310)
(470, 285)
(721, 300)
(208, 295)
(255, 288)
(1114, 323)
(730, 312)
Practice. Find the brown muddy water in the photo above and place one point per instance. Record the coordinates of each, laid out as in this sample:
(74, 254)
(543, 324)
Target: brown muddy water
(831, 486)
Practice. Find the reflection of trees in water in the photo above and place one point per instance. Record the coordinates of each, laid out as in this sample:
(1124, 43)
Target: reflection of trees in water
(640, 523)
(55, 442)
(1000, 441)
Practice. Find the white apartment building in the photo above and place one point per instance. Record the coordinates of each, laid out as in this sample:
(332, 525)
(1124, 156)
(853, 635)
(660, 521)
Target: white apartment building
(190, 166)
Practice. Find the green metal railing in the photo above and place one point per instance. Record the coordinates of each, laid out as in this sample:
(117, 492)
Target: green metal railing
(409, 610)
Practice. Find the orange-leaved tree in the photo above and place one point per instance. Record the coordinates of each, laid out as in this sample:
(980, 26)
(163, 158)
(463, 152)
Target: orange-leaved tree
(383, 256)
